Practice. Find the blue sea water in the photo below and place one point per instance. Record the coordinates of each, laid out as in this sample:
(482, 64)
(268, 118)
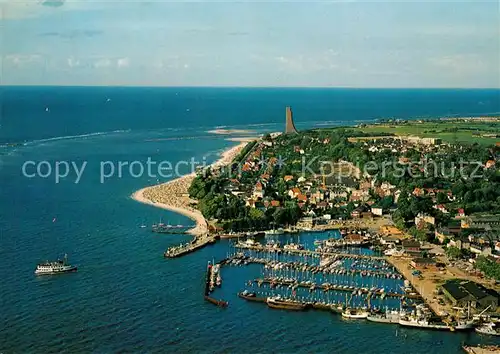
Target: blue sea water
(125, 295)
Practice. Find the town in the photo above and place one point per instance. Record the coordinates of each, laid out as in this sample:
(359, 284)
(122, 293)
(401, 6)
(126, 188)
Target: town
(431, 207)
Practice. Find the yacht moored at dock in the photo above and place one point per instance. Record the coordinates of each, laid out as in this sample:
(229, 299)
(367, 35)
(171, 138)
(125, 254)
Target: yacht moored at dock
(57, 267)
(489, 328)
(355, 314)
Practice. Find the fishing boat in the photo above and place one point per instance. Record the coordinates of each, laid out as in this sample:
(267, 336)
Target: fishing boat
(355, 314)
(489, 329)
(277, 302)
(55, 267)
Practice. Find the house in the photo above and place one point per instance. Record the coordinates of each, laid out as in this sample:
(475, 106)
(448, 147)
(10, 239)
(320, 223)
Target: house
(411, 247)
(463, 293)
(418, 192)
(480, 250)
(456, 294)
(294, 192)
(389, 241)
(460, 213)
(377, 211)
(486, 221)
(258, 191)
(444, 233)
(302, 197)
(275, 203)
(322, 205)
(441, 208)
(425, 218)
(489, 164)
(288, 178)
(497, 246)
(356, 213)
(423, 263)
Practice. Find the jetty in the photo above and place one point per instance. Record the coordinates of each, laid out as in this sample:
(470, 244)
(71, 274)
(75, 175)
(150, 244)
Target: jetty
(212, 278)
(261, 248)
(196, 243)
(334, 287)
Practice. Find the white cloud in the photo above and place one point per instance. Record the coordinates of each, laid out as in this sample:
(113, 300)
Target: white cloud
(102, 63)
(22, 59)
(464, 63)
(123, 62)
(72, 62)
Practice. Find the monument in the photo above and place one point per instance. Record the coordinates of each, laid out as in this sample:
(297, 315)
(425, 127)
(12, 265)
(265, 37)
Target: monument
(290, 127)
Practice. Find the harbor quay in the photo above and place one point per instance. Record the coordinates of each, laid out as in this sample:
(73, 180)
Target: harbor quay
(196, 243)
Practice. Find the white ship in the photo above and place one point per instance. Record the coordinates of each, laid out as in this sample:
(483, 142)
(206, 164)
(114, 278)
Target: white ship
(386, 317)
(489, 329)
(59, 266)
(420, 318)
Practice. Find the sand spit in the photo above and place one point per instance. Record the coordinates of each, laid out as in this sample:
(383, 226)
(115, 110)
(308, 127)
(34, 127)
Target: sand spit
(173, 195)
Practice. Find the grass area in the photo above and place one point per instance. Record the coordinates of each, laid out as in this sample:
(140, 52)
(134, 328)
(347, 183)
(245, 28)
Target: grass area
(449, 131)
(455, 131)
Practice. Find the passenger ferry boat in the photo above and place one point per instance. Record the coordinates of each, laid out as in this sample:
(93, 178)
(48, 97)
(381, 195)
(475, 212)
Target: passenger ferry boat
(59, 266)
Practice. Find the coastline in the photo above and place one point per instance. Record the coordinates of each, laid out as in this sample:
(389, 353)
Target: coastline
(173, 195)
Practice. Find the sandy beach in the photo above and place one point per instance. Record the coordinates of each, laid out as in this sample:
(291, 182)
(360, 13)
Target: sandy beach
(173, 195)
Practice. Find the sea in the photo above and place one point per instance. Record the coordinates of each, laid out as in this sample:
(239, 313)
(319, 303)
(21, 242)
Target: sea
(70, 157)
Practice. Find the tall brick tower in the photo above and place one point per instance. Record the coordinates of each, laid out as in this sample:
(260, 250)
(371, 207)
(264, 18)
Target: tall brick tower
(289, 127)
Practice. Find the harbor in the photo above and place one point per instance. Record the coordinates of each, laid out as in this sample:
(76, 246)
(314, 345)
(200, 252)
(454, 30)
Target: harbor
(295, 272)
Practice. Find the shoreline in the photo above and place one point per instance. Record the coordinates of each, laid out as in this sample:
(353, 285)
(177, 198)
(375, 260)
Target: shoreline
(173, 195)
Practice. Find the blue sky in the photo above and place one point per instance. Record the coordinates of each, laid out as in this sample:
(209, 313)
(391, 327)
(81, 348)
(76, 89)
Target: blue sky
(332, 44)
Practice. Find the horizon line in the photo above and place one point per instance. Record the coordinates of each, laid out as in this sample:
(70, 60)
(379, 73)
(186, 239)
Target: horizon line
(259, 87)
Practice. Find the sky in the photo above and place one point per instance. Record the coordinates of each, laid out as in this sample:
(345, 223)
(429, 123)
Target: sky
(425, 44)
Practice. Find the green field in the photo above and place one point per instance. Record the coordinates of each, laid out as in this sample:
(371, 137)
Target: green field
(449, 131)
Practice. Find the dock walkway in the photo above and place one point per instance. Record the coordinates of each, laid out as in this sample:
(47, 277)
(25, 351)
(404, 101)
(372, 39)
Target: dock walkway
(334, 287)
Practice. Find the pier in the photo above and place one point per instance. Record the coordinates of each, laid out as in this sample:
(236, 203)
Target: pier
(318, 269)
(196, 243)
(212, 278)
(307, 252)
(335, 287)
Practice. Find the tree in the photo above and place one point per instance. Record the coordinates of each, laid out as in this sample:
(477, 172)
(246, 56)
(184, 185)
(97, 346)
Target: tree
(453, 252)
